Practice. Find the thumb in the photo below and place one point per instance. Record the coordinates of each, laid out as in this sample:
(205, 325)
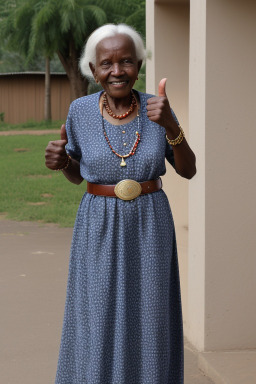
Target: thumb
(161, 88)
(63, 133)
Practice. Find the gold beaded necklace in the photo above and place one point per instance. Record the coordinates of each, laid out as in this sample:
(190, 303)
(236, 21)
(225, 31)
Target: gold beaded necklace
(134, 147)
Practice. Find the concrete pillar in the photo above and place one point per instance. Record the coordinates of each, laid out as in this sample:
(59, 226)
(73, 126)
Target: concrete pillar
(222, 115)
(167, 28)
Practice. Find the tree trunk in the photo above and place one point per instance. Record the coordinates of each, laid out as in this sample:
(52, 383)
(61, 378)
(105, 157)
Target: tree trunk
(78, 83)
(47, 96)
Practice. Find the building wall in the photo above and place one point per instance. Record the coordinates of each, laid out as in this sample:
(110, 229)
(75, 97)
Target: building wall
(209, 59)
(224, 142)
(22, 97)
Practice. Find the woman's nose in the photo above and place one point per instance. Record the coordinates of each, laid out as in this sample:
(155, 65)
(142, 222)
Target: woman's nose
(117, 69)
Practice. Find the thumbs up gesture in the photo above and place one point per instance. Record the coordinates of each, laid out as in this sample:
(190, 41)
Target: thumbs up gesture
(63, 134)
(55, 153)
(159, 109)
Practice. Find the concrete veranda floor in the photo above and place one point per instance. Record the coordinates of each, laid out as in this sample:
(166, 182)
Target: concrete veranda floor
(33, 276)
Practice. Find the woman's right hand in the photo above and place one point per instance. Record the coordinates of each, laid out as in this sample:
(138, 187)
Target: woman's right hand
(55, 153)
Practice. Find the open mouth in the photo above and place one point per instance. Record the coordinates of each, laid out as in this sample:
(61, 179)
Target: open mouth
(118, 82)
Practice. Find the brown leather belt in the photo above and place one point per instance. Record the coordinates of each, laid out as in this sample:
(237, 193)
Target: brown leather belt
(126, 189)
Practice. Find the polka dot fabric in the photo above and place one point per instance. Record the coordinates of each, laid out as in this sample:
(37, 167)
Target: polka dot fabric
(123, 318)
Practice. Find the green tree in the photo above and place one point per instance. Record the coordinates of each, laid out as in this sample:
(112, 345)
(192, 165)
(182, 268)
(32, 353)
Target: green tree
(16, 28)
(62, 27)
(49, 26)
(131, 12)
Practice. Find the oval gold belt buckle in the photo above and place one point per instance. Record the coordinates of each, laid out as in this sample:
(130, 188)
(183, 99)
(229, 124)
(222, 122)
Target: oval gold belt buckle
(127, 189)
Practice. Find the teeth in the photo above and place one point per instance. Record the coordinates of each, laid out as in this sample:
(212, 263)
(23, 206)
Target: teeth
(118, 82)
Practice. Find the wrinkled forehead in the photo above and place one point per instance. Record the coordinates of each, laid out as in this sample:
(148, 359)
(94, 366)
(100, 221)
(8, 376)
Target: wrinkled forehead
(120, 42)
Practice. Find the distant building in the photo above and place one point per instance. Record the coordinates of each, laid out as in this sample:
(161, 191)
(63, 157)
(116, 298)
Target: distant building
(22, 96)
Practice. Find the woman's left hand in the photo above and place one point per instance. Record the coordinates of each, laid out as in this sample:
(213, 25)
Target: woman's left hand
(159, 110)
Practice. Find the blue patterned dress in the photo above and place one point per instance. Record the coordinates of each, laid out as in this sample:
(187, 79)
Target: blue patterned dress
(123, 317)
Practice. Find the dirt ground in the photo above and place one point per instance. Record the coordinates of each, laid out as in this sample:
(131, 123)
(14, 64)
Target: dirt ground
(33, 276)
(29, 132)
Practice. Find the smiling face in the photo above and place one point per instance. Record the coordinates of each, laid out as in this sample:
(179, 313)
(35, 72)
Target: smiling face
(117, 66)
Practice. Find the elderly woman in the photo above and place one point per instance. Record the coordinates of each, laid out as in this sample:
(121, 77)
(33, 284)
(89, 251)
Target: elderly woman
(123, 318)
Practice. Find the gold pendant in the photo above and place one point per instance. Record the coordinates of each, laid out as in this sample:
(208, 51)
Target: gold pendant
(123, 163)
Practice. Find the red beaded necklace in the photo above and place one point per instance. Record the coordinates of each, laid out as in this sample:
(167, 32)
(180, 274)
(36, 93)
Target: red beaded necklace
(134, 147)
(123, 115)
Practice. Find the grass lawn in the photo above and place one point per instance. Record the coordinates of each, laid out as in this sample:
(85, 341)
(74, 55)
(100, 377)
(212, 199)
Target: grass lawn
(29, 190)
(31, 125)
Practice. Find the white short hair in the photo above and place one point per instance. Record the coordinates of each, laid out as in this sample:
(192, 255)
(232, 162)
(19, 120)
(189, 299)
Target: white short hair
(108, 30)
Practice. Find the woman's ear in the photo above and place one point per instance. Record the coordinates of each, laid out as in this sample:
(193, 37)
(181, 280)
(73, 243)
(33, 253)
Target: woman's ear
(92, 68)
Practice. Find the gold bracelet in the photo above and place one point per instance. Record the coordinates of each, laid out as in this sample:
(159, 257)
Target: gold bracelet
(178, 139)
(66, 164)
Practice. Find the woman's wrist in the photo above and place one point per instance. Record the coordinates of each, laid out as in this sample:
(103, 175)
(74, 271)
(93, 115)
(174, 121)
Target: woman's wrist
(72, 172)
(66, 164)
(175, 140)
(172, 129)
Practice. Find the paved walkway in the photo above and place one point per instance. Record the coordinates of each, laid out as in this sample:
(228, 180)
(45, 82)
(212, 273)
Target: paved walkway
(29, 132)
(33, 277)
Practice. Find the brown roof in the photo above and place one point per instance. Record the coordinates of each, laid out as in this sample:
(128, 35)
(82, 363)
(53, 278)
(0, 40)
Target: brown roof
(37, 73)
